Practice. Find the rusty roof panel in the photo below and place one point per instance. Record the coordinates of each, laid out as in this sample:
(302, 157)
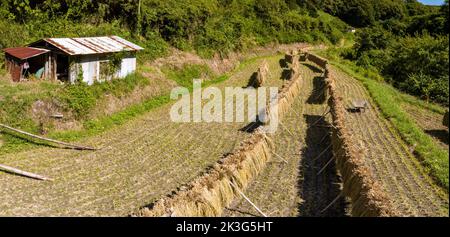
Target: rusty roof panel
(25, 52)
(93, 45)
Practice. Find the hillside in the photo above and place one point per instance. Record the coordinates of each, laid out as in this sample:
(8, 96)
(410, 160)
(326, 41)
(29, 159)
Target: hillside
(330, 156)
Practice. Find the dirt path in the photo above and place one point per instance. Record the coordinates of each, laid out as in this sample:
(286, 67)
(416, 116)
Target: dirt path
(295, 188)
(139, 162)
(391, 160)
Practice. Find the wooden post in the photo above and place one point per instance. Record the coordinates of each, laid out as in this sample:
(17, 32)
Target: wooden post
(323, 152)
(246, 199)
(23, 173)
(325, 166)
(48, 139)
(331, 204)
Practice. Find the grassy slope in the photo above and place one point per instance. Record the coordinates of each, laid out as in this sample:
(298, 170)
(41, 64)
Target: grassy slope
(434, 158)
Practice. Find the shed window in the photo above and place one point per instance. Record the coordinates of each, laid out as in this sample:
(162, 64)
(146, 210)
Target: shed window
(105, 70)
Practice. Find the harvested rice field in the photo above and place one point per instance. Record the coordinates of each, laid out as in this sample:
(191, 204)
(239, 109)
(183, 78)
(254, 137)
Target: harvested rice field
(293, 183)
(151, 157)
(391, 161)
(138, 163)
(294, 188)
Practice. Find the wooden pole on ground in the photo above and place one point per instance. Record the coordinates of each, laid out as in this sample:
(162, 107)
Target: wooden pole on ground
(246, 199)
(48, 139)
(321, 117)
(23, 173)
(323, 152)
(331, 204)
(325, 166)
(324, 137)
(285, 128)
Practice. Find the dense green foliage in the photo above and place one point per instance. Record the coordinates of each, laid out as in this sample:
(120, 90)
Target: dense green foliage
(207, 26)
(410, 51)
(361, 13)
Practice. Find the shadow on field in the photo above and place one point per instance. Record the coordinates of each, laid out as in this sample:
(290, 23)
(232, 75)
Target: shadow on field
(440, 134)
(313, 68)
(286, 74)
(283, 63)
(318, 190)
(318, 94)
(251, 127)
(251, 81)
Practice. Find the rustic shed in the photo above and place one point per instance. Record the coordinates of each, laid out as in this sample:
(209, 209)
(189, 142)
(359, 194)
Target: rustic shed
(24, 61)
(87, 59)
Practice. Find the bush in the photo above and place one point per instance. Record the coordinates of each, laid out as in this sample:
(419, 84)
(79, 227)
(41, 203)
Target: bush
(81, 98)
(417, 64)
(419, 58)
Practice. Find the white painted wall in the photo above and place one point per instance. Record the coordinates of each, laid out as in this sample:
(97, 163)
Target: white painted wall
(90, 67)
(128, 66)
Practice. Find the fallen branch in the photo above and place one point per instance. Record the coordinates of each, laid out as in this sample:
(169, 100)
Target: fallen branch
(319, 90)
(68, 145)
(323, 126)
(23, 173)
(295, 113)
(246, 199)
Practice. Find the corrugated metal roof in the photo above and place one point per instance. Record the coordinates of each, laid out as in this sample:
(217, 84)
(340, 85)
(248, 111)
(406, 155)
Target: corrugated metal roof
(93, 45)
(25, 52)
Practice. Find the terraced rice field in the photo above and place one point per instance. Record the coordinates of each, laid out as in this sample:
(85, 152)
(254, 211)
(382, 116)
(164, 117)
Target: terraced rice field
(391, 161)
(150, 157)
(139, 162)
(296, 188)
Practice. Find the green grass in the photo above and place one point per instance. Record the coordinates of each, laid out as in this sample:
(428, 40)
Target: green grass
(184, 76)
(432, 156)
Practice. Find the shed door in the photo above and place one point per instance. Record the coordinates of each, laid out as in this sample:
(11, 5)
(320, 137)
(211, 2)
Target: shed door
(16, 72)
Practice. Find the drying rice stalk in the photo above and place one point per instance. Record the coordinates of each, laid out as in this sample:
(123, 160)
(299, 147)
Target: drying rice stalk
(321, 62)
(210, 193)
(368, 198)
(258, 79)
